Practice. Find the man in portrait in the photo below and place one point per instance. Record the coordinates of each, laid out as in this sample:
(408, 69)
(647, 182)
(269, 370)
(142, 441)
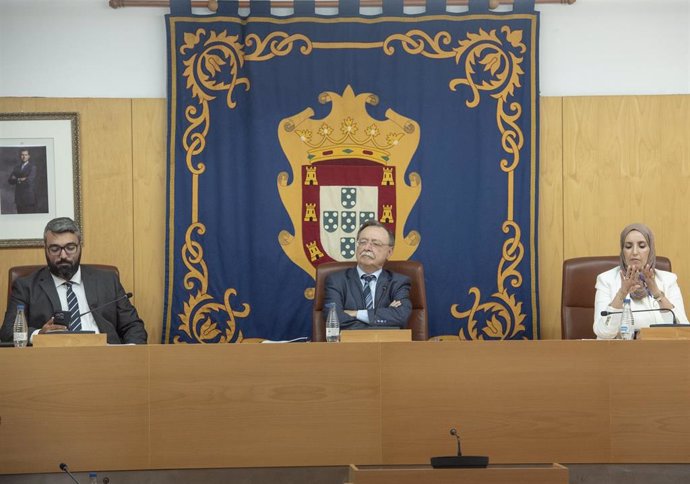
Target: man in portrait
(23, 177)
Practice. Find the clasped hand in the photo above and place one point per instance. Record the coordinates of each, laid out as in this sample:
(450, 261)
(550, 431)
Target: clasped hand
(633, 279)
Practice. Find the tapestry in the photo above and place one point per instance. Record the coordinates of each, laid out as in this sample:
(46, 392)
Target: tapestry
(286, 132)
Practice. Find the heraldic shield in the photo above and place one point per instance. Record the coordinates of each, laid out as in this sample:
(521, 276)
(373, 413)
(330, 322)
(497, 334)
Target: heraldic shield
(346, 169)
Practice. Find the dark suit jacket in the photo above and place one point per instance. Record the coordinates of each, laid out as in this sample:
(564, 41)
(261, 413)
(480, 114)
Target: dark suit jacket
(344, 288)
(119, 321)
(24, 192)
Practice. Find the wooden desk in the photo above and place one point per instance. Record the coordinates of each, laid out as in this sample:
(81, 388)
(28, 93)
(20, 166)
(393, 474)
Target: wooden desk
(665, 333)
(319, 404)
(553, 474)
(376, 336)
(69, 339)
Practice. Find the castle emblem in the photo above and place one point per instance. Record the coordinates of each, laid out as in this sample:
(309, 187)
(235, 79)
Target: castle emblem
(346, 169)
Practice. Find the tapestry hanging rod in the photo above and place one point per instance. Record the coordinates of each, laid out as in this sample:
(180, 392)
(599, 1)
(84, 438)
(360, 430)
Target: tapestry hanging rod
(212, 5)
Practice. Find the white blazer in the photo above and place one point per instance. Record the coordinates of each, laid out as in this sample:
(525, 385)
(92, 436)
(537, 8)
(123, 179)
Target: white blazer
(608, 284)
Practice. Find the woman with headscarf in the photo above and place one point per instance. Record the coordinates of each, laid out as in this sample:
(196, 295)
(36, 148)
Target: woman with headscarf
(636, 278)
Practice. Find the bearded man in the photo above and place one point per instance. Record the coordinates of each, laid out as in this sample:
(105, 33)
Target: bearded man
(68, 289)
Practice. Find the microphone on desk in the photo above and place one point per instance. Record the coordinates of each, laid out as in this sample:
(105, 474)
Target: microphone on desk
(453, 431)
(62, 317)
(64, 468)
(459, 460)
(675, 320)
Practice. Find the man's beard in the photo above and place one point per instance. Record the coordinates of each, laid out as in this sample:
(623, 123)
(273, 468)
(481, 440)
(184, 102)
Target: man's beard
(64, 269)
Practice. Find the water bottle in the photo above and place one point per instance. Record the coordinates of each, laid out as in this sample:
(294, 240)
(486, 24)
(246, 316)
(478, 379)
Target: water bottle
(21, 330)
(332, 324)
(93, 478)
(627, 322)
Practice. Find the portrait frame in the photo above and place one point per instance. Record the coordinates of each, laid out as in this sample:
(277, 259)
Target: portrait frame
(51, 142)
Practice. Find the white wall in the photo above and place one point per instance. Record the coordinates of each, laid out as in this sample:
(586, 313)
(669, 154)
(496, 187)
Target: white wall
(83, 48)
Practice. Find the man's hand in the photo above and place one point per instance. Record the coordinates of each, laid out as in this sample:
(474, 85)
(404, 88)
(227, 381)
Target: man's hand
(351, 312)
(51, 326)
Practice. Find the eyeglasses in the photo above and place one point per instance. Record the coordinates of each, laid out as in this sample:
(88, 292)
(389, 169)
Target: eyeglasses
(69, 249)
(377, 244)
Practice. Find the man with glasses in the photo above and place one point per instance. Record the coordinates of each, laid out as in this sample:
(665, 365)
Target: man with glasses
(66, 287)
(367, 296)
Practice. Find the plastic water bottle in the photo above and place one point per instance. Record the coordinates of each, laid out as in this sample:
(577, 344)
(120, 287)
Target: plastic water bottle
(332, 324)
(93, 478)
(21, 329)
(627, 321)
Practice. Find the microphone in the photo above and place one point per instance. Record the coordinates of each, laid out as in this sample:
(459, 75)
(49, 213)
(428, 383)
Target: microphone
(127, 295)
(62, 317)
(64, 468)
(456, 461)
(453, 431)
(675, 320)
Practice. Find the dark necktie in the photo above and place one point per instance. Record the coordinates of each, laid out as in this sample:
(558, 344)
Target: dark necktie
(73, 307)
(368, 298)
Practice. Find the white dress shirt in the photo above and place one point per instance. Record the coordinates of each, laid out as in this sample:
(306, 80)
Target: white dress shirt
(88, 323)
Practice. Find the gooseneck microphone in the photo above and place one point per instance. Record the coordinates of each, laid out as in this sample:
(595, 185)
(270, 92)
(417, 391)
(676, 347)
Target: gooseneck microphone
(62, 317)
(98, 308)
(455, 461)
(453, 431)
(64, 468)
(675, 320)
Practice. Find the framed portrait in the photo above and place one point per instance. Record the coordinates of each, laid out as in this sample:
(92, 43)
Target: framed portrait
(39, 174)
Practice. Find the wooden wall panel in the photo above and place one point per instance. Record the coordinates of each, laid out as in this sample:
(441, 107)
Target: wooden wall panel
(149, 127)
(550, 215)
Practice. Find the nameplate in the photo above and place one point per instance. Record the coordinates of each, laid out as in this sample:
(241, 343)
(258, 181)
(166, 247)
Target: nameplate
(675, 331)
(375, 335)
(69, 339)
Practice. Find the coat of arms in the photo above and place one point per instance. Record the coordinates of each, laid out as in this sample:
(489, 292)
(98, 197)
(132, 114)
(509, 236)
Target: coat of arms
(346, 169)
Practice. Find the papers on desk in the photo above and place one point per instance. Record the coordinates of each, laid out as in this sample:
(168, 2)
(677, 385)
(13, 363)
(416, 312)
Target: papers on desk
(301, 339)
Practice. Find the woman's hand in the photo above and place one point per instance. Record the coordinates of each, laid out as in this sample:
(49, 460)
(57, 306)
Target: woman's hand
(630, 280)
(650, 281)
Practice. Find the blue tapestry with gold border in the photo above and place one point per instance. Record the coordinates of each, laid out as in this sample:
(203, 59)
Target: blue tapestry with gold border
(287, 132)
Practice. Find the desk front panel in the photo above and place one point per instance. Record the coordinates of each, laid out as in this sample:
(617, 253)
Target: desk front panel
(517, 402)
(84, 406)
(203, 406)
(650, 401)
(265, 405)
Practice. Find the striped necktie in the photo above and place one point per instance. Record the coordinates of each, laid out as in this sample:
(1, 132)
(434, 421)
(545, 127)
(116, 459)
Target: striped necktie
(368, 298)
(73, 307)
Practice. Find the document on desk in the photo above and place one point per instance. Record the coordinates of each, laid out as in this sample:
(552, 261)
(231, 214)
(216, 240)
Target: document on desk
(301, 339)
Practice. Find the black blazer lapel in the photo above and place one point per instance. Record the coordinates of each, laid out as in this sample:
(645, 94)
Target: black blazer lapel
(382, 287)
(90, 287)
(355, 285)
(47, 285)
